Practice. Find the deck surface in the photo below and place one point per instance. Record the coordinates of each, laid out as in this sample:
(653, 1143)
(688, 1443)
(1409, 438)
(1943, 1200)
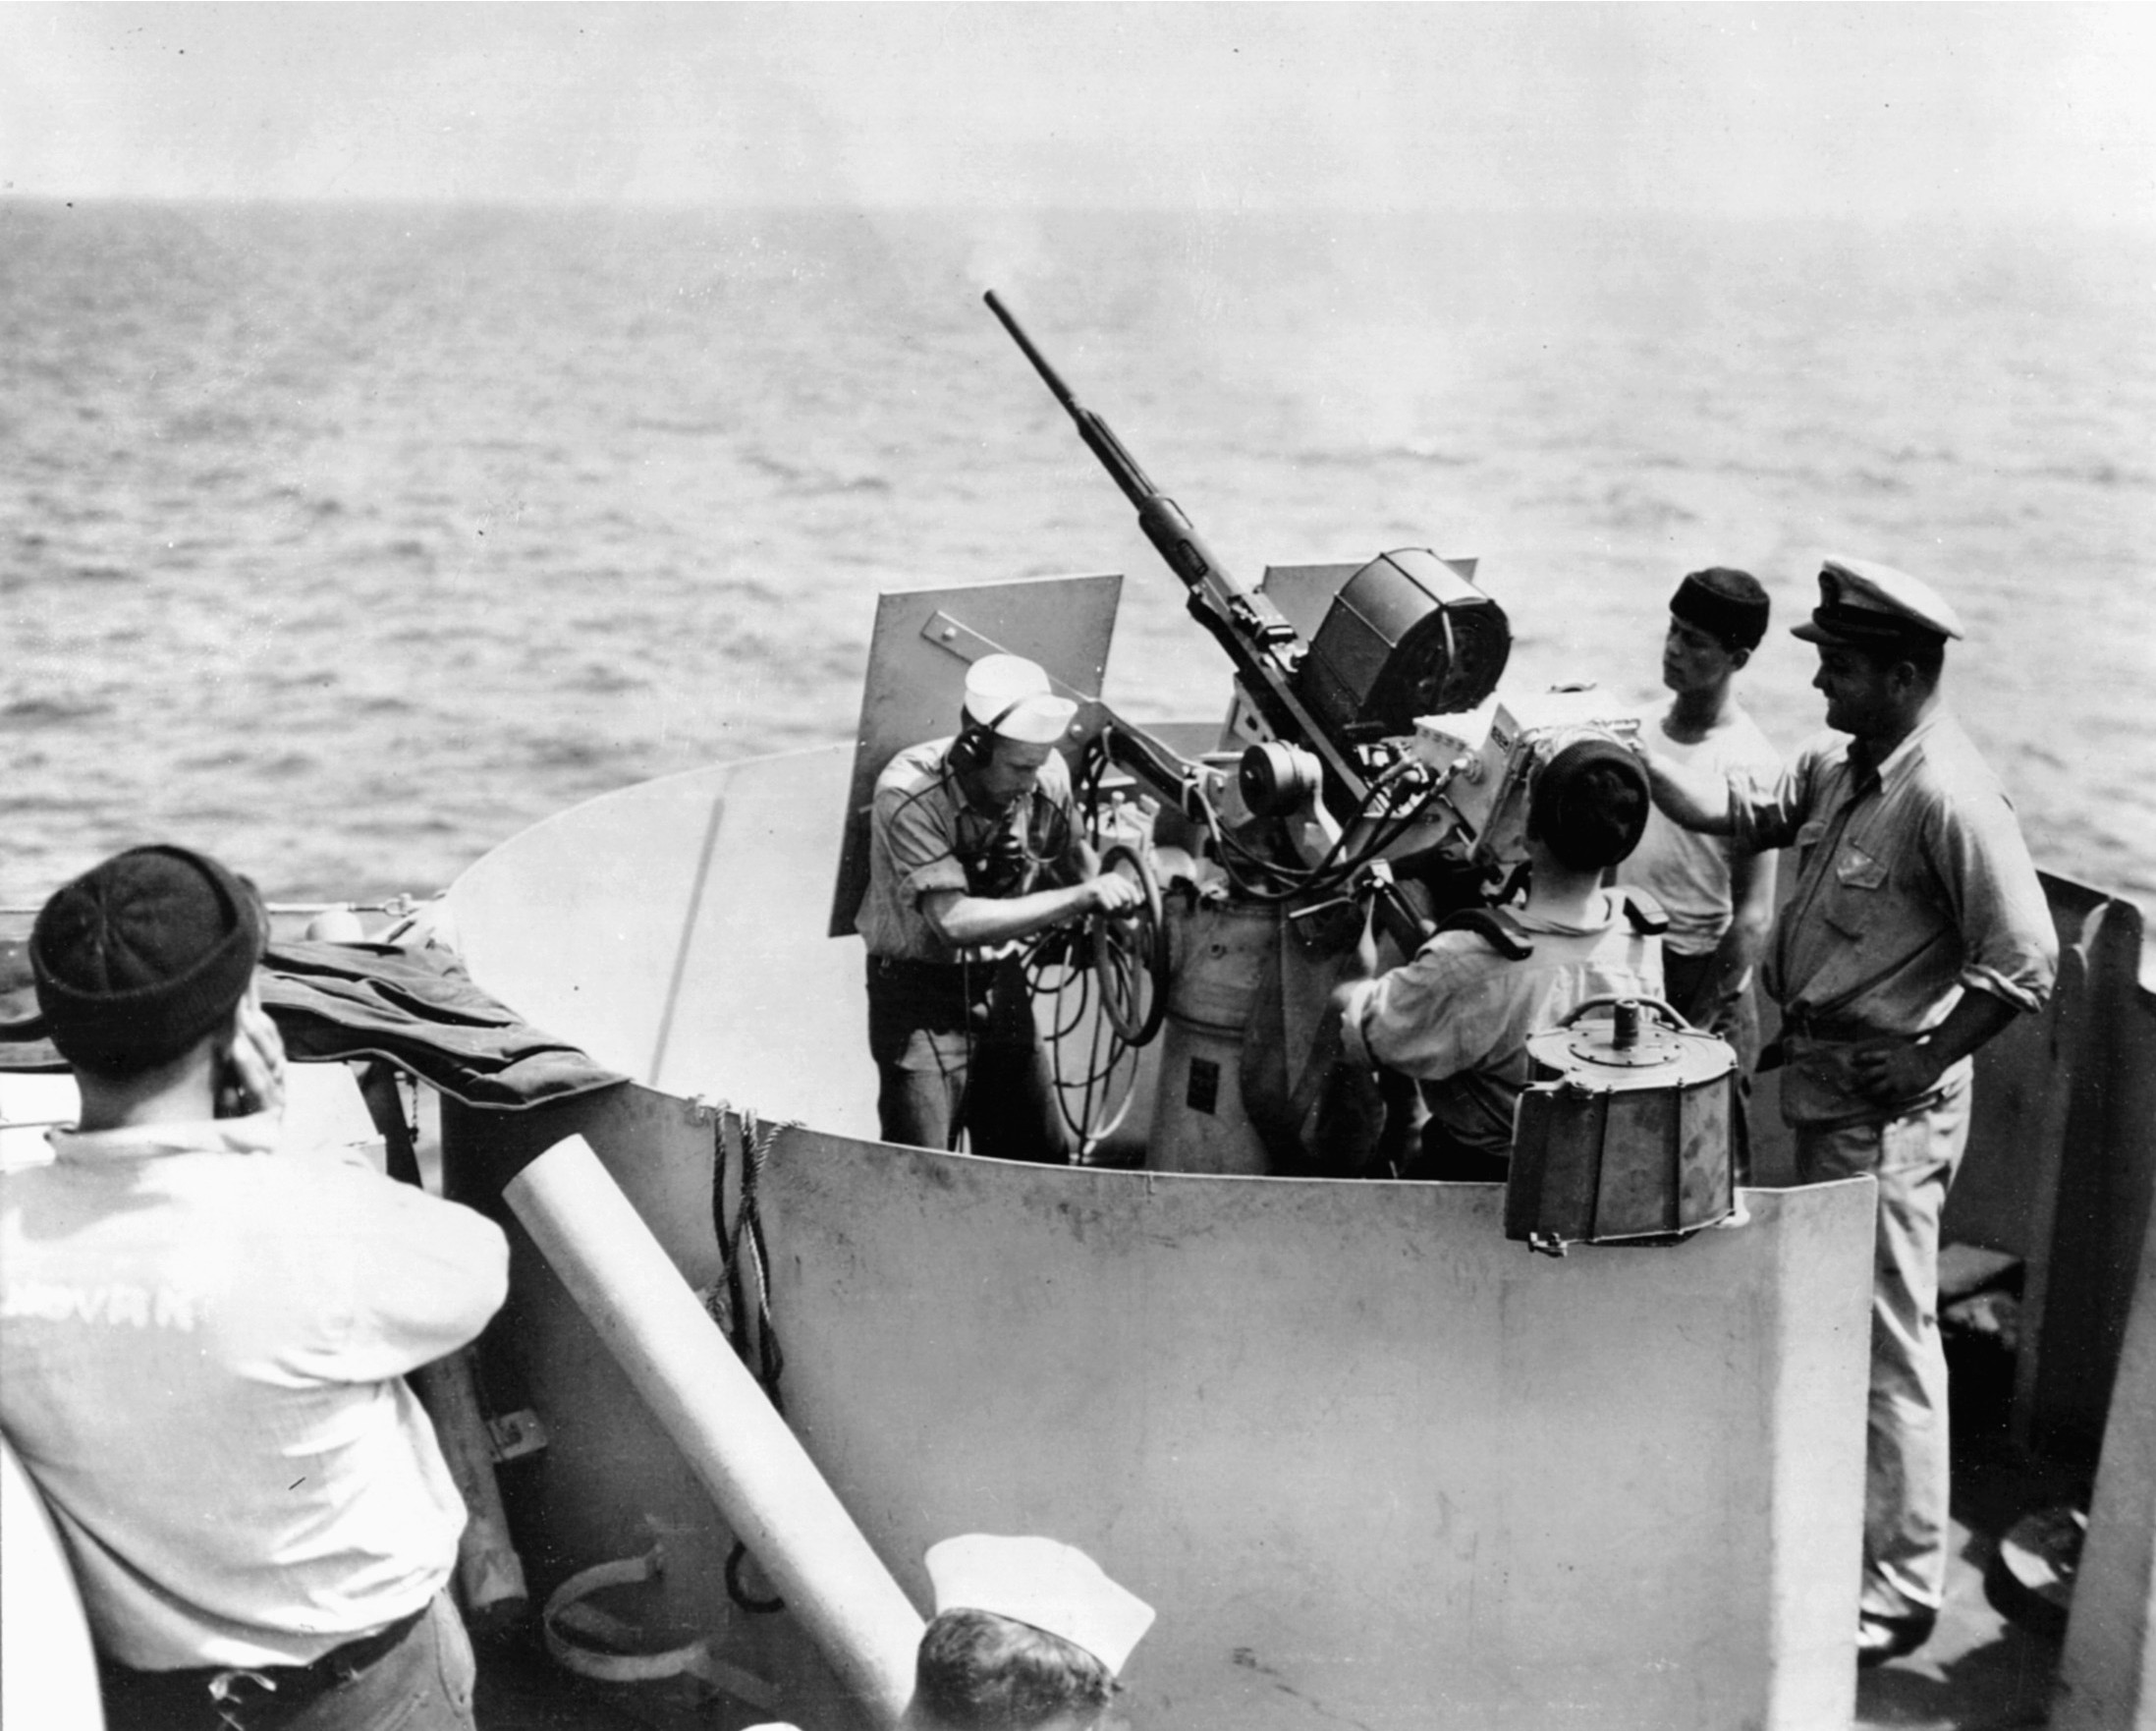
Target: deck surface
(1978, 1672)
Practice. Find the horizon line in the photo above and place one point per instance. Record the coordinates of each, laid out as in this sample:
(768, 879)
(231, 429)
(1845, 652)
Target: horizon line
(1599, 215)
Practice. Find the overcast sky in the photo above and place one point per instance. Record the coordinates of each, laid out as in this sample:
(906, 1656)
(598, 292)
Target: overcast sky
(1877, 112)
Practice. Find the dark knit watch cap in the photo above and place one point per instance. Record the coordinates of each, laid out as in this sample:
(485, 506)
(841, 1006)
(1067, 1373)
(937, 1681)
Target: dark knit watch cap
(1726, 604)
(1590, 804)
(141, 957)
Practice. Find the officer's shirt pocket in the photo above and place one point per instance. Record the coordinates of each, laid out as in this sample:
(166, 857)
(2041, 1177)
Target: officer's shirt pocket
(1857, 870)
(1858, 878)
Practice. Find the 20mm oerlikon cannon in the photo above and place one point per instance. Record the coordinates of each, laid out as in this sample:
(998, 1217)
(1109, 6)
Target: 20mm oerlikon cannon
(1365, 761)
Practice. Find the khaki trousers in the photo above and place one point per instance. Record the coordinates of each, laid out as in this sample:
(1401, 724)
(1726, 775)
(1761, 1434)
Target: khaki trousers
(1913, 1157)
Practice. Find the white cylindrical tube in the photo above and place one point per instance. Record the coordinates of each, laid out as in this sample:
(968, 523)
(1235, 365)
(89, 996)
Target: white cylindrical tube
(490, 1576)
(753, 1465)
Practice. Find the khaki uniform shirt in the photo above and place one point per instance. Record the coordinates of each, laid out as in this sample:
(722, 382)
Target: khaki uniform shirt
(1458, 1016)
(923, 836)
(1913, 885)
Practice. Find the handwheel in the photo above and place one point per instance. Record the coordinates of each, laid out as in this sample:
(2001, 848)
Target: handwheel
(1131, 953)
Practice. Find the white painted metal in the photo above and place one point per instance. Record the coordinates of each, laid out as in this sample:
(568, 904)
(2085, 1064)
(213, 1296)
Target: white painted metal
(1367, 1458)
(1374, 1464)
(739, 1449)
(675, 931)
(323, 1110)
(1370, 1461)
(2107, 1675)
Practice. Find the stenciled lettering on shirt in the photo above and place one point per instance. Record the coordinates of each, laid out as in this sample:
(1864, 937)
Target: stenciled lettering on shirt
(118, 1305)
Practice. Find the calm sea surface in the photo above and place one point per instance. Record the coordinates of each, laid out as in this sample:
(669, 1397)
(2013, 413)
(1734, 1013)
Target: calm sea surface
(347, 541)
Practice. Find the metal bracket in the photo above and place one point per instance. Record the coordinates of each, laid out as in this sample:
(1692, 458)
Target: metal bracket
(955, 636)
(516, 1434)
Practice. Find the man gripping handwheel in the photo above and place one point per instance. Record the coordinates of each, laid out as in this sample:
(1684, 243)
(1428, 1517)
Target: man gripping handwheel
(974, 844)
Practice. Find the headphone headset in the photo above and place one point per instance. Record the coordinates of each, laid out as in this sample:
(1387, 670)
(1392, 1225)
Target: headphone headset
(976, 741)
(1001, 859)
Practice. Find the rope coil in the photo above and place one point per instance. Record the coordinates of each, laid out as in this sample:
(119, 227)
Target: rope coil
(743, 1242)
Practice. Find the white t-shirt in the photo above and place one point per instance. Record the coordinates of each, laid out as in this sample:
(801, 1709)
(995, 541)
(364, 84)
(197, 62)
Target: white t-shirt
(1688, 872)
(202, 1348)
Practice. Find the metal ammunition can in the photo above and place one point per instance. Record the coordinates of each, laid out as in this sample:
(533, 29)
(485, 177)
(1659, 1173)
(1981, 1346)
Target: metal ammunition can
(1626, 1131)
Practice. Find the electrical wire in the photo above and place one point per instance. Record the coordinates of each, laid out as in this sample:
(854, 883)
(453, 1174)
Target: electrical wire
(1332, 874)
(1250, 870)
(1100, 1111)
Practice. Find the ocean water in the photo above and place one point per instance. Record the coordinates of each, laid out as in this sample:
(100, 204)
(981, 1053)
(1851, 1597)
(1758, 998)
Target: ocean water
(345, 541)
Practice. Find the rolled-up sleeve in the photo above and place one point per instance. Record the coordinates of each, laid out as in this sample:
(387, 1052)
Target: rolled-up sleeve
(1913, 888)
(2010, 947)
(1766, 812)
(921, 844)
(1407, 1021)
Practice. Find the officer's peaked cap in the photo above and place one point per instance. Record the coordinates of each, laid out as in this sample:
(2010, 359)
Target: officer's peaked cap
(1863, 604)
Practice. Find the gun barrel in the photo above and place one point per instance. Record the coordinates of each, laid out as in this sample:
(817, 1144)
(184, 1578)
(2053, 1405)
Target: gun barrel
(1099, 437)
(1048, 373)
(1256, 636)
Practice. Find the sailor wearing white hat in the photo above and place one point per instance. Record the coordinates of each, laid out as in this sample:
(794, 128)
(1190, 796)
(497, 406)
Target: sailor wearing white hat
(1028, 1634)
(1010, 695)
(1916, 932)
(974, 844)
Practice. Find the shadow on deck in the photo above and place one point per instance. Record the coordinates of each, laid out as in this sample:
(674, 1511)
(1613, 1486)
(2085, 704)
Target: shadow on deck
(1979, 1671)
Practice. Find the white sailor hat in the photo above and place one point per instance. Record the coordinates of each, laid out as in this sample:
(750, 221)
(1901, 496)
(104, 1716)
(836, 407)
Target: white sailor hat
(1866, 604)
(1041, 1583)
(1011, 697)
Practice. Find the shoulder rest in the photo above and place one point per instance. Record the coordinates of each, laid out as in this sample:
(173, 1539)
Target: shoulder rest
(1495, 927)
(1504, 934)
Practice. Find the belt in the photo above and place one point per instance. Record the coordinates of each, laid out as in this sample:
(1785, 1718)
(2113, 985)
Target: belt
(976, 976)
(291, 1686)
(350, 1659)
(1809, 1025)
